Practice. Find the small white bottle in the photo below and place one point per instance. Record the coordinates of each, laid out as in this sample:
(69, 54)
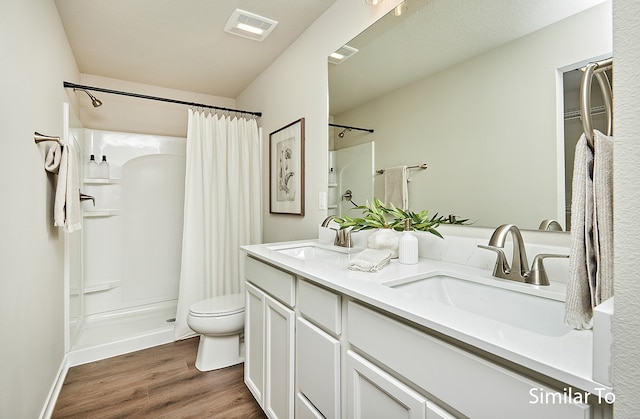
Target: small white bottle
(92, 168)
(103, 168)
(332, 176)
(408, 246)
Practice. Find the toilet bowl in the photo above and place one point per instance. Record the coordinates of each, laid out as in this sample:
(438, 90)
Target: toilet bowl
(219, 321)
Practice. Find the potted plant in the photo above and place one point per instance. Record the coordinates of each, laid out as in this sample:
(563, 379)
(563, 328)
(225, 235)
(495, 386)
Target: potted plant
(389, 219)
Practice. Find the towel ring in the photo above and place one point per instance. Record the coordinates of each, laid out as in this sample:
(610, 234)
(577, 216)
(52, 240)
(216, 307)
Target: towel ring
(596, 69)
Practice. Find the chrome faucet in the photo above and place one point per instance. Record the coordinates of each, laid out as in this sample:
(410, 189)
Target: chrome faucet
(519, 269)
(343, 236)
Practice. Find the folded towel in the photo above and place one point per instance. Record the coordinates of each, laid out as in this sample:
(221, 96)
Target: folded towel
(61, 159)
(396, 190)
(590, 265)
(370, 260)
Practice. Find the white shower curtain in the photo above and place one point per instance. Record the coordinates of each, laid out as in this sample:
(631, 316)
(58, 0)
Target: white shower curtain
(222, 208)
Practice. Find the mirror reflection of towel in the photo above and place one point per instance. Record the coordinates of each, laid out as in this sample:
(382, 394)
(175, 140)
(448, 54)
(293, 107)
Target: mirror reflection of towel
(396, 191)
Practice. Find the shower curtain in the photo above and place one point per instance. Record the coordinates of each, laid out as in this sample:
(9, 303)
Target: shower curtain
(222, 208)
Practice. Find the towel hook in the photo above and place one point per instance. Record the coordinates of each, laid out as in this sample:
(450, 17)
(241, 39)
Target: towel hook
(38, 138)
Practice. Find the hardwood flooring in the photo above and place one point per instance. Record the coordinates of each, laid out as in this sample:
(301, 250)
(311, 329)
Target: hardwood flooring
(160, 383)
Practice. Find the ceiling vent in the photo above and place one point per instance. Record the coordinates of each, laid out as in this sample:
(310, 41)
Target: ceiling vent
(342, 54)
(249, 25)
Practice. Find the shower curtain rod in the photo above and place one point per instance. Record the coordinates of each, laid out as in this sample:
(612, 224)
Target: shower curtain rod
(348, 127)
(161, 99)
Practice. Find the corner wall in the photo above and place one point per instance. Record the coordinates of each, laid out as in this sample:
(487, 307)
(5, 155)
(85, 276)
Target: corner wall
(626, 205)
(36, 58)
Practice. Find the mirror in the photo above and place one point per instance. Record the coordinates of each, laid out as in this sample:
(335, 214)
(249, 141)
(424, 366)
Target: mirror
(475, 91)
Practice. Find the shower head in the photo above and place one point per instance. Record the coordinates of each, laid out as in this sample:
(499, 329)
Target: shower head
(94, 100)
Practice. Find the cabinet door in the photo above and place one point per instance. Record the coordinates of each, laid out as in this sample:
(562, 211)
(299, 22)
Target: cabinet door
(279, 351)
(318, 368)
(254, 342)
(374, 394)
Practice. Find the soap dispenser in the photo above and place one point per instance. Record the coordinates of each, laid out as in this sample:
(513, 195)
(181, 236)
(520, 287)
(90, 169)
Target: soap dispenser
(103, 168)
(408, 245)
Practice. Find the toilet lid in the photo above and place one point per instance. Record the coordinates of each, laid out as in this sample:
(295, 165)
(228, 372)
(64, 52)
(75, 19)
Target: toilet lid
(219, 306)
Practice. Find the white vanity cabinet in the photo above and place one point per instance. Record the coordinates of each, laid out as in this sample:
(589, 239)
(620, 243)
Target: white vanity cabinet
(455, 377)
(314, 352)
(318, 327)
(269, 338)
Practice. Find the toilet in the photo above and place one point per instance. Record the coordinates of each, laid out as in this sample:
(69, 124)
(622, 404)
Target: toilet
(219, 321)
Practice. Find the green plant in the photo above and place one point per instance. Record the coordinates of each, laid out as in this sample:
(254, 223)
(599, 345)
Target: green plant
(378, 215)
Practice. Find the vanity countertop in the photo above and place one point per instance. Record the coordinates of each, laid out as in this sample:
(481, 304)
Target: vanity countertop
(566, 358)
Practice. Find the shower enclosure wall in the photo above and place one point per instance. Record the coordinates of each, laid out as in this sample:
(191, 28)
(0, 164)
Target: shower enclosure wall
(129, 249)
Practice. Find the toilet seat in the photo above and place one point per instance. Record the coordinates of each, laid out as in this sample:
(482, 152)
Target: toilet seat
(222, 305)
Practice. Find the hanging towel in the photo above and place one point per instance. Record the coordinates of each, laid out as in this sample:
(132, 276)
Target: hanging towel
(603, 220)
(370, 260)
(61, 159)
(590, 265)
(396, 189)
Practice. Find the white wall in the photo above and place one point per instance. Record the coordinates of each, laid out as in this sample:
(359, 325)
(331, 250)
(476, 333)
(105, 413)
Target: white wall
(296, 86)
(626, 103)
(486, 127)
(36, 58)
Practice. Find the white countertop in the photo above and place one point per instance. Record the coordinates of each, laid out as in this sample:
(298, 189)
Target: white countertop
(566, 358)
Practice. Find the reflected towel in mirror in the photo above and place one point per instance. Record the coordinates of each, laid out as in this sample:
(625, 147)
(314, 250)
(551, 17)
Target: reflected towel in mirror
(396, 189)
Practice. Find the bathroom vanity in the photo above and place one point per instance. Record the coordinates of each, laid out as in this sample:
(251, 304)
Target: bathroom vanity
(432, 340)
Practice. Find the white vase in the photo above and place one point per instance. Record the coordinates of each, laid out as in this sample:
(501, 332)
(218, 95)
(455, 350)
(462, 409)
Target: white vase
(384, 239)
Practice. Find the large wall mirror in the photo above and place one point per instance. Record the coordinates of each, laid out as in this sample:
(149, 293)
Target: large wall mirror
(474, 90)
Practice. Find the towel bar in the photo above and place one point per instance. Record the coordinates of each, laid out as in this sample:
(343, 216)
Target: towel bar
(422, 166)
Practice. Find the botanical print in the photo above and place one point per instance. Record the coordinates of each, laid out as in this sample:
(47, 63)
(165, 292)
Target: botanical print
(286, 171)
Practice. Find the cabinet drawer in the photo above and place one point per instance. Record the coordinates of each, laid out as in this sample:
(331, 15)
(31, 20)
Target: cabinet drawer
(464, 381)
(277, 283)
(320, 306)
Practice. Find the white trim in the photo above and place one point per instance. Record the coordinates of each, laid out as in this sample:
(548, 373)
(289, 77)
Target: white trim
(52, 397)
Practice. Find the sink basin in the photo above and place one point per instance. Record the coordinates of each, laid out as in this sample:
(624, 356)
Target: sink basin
(534, 313)
(312, 250)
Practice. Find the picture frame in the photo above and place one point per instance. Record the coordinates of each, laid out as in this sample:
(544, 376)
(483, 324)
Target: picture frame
(286, 169)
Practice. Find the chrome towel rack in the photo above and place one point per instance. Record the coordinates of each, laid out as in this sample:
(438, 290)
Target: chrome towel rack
(422, 166)
(596, 69)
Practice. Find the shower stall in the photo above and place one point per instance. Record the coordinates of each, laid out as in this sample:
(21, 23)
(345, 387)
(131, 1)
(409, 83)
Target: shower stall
(123, 266)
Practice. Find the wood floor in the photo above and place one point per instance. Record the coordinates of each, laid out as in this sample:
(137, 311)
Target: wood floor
(159, 383)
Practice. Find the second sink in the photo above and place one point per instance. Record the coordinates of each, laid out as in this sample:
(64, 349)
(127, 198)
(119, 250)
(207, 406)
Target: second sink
(534, 313)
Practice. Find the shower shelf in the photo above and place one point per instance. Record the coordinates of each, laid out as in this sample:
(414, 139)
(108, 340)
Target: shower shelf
(101, 213)
(111, 181)
(102, 286)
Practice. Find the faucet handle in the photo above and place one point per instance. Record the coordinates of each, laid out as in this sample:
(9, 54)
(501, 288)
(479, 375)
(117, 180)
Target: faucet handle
(538, 275)
(502, 266)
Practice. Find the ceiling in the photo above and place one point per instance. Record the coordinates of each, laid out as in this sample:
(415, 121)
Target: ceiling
(180, 44)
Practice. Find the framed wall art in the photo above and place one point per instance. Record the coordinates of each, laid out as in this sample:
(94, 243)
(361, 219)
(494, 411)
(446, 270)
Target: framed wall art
(286, 169)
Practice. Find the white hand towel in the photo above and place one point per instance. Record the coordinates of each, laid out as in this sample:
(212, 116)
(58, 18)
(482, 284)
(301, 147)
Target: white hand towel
(396, 190)
(66, 207)
(370, 260)
(590, 266)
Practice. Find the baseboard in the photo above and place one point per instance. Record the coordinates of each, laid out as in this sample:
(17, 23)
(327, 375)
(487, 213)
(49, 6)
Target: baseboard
(56, 387)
